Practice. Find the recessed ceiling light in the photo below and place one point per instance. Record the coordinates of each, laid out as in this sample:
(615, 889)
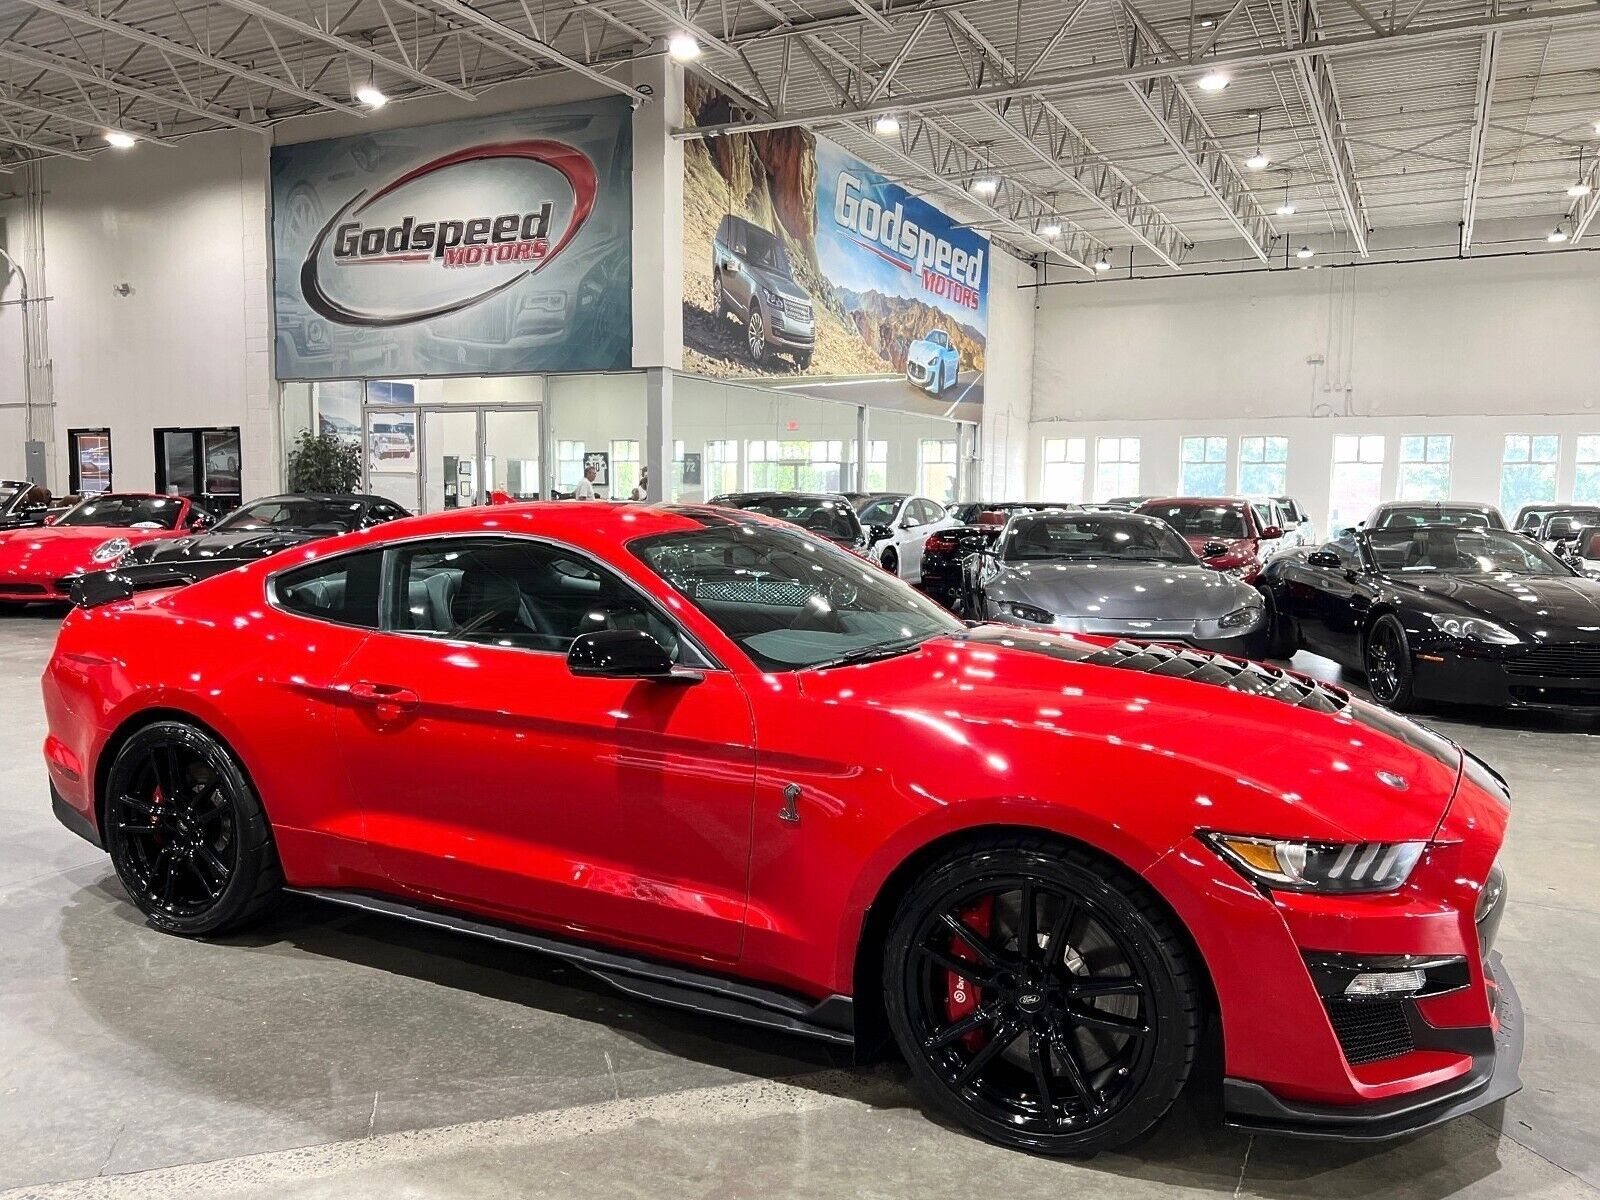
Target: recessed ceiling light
(119, 140)
(683, 48)
(1304, 252)
(371, 96)
(1286, 209)
(1558, 234)
(1213, 81)
(1257, 161)
(985, 185)
(887, 125)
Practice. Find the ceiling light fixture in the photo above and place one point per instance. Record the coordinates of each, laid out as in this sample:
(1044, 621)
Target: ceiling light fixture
(370, 96)
(1259, 160)
(683, 48)
(1206, 20)
(1304, 252)
(1050, 229)
(985, 185)
(119, 140)
(1286, 209)
(1213, 81)
(1580, 189)
(1103, 263)
(887, 125)
(1558, 234)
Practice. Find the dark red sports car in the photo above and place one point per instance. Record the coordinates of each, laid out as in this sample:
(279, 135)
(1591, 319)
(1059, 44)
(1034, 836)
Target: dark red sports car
(42, 563)
(1227, 534)
(729, 766)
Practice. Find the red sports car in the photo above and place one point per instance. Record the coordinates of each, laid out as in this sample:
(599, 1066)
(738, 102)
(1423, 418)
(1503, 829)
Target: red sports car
(727, 765)
(40, 564)
(1226, 534)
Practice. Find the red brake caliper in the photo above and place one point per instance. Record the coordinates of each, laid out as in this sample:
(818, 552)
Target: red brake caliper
(962, 997)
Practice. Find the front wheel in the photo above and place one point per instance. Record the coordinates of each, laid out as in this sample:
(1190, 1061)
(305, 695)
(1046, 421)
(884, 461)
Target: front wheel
(1041, 996)
(1387, 659)
(891, 562)
(186, 833)
(756, 335)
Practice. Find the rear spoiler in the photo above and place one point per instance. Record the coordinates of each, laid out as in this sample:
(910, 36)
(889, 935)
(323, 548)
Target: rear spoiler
(96, 588)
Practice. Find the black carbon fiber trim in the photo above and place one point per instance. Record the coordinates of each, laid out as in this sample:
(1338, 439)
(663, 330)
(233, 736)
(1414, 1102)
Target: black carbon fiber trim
(1237, 675)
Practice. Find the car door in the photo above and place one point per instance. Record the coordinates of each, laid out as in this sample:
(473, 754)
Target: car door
(911, 532)
(493, 777)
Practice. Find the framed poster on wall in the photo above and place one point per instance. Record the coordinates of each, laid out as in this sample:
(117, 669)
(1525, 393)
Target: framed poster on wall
(89, 461)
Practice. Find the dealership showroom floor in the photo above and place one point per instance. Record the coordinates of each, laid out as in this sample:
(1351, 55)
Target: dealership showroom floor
(344, 1055)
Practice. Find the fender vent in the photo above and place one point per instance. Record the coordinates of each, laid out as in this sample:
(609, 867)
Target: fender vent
(1237, 675)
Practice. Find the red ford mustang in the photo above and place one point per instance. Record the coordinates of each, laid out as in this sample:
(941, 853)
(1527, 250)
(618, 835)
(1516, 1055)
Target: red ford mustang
(726, 765)
(40, 564)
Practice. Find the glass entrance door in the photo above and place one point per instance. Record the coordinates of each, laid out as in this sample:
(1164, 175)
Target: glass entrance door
(513, 441)
(428, 458)
(452, 442)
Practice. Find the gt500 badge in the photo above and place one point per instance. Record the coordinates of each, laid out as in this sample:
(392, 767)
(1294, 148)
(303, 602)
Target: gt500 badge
(421, 222)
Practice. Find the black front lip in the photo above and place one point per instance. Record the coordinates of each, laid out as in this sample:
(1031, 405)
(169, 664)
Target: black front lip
(1251, 1108)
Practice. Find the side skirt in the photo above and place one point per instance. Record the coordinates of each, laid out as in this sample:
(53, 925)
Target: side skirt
(831, 1020)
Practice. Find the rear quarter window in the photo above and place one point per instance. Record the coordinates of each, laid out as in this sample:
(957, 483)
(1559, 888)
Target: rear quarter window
(343, 590)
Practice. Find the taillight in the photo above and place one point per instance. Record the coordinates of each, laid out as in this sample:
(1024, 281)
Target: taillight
(940, 542)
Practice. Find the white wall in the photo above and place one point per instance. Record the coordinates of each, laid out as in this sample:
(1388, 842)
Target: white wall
(1478, 349)
(1008, 393)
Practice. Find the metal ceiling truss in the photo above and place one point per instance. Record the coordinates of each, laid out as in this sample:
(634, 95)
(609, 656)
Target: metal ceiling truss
(1488, 65)
(1315, 78)
(1582, 213)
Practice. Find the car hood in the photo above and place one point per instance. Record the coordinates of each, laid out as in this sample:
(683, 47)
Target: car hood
(1112, 590)
(781, 284)
(57, 550)
(244, 544)
(1526, 603)
(922, 351)
(1233, 746)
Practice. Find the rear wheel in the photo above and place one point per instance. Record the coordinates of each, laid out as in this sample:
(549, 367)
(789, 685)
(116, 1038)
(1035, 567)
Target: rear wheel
(186, 833)
(1041, 998)
(891, 562)
(1388, 661)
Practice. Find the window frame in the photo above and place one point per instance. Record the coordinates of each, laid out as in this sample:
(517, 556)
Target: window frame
(388, 576)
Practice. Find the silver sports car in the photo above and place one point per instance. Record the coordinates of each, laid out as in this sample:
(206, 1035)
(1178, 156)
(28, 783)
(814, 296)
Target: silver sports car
(1121, 575)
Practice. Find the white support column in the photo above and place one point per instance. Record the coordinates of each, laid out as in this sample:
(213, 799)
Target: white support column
(658, 431)
(658, 215)
(863, 444)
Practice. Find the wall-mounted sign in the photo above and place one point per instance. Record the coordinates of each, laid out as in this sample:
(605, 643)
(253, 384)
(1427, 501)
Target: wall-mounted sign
(802, 264)
(490, 246)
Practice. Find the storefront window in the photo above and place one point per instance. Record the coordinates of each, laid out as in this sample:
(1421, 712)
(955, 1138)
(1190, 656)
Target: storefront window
(937, 470)
(877, 465)
(1357, 479)
(1425, 467)
(624, 467)
(1064, 469)
(1116, 467)
(721, 468)
(1204, 466)
(1263, 466)
(1528, 470)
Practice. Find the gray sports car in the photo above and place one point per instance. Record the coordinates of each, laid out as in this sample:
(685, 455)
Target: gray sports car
(1121, 575)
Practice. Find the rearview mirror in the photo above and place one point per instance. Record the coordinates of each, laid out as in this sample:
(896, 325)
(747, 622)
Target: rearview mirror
(1325, 559)
(619, 654)
(1271, 533)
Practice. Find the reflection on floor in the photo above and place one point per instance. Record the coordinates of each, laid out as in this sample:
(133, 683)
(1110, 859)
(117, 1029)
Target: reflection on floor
(413, 1064)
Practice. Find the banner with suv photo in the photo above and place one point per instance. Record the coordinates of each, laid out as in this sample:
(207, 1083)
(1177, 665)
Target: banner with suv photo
(493, 245)
(808, 271)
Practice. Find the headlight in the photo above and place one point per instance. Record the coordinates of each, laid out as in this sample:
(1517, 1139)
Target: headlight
(1024, 612)
(1243, 618)
(771, 297)
(1319, 866)
(1474, 629)
(110, 551)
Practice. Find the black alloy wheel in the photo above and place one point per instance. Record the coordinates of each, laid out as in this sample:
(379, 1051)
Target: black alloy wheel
(1387, 658)
(1042, 998)
(186, 833)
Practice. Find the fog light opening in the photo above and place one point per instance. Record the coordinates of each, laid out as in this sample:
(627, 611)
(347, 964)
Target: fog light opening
(1386, 983)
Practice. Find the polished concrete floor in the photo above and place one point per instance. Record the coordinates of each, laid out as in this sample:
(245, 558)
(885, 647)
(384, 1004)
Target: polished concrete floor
(331, 1054)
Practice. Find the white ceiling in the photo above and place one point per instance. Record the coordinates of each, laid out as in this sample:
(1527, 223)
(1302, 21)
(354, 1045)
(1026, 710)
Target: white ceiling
(1376, 114)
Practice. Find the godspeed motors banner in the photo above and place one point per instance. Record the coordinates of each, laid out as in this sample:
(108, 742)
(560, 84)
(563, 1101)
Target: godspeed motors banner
(494, 245)
(806, 270)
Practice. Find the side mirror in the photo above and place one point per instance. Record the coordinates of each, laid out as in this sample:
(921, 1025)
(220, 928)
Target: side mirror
(619, 654)
(1326, 559)
(1349, 531)
(878, 533)
(1271, 533)
(1213, 549)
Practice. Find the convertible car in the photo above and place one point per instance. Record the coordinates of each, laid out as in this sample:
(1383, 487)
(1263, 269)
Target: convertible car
(42, 564)
(22, 504)
(257, 530)
(727, 765)
(1438, 613)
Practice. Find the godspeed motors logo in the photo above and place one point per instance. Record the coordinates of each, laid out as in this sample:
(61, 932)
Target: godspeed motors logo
(454, 240)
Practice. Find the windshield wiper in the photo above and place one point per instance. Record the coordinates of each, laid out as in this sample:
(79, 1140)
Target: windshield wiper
(874, 652)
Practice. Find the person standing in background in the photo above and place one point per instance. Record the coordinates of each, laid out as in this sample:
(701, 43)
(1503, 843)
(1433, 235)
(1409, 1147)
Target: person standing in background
(641, 490)
(585, 488)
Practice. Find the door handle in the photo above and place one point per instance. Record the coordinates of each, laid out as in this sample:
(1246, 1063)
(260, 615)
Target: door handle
(388, 698)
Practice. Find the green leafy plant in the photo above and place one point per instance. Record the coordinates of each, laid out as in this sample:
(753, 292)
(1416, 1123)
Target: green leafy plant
(324, 462)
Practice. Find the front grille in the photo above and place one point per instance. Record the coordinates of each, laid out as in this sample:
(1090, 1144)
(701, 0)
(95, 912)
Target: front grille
(1237, 675)
(21, 589)
(798, 309)
(1555, 660)
(1371, 1030)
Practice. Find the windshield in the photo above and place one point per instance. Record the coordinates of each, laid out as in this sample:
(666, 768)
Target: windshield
(1454, 550)
(127, 512)
(833, 519)
(1202, 520)
(879, 510)
(790, 601)
(296, 512)
(1410, 518)
(1046, 536)
(764, 251)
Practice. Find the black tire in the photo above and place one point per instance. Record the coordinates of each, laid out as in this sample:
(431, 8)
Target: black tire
(755, 335)
(723, 310)
(802, 361)
(1283, 639)
(1386, 655)
(891, 562)
(1069, 1076)
(187, 833)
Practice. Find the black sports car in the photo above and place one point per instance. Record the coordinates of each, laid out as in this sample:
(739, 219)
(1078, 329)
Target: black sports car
(826, 514)
(22, 504)
(948, 554)
(1408, 514)
(1444, 613)
(252, 531)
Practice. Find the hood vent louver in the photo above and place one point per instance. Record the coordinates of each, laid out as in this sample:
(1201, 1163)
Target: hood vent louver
(1251, 678)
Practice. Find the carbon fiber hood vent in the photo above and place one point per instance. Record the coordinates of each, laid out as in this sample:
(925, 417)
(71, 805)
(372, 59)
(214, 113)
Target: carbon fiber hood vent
(1255, 679)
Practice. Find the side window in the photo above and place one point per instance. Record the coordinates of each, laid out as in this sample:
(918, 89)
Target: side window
(384, 511)
(927, 512)
(517, 594)
(343, 590)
